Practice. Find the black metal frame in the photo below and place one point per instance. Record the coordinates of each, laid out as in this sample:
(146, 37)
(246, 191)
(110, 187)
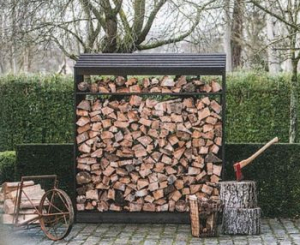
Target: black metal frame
(146, 64)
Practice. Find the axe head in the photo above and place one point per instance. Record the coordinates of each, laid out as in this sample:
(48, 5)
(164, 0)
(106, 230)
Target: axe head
(238, 171)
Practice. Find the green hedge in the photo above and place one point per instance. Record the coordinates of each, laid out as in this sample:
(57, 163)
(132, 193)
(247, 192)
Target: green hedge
(257, 107)
(47, 159)
(35, 109)
(39, 109)
(7, 166)
(277, 171)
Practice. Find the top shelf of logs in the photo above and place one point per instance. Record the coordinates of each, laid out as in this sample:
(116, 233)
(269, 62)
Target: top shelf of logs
(150, 86)
(121, 66)
(149, 131)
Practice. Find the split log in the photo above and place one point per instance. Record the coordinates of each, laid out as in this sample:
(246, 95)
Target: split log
(140, 151)
(164, 84)
(33, 192)
(22, 219)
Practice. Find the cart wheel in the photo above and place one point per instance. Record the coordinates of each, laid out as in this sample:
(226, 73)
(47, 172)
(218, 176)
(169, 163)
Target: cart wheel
(57, 214)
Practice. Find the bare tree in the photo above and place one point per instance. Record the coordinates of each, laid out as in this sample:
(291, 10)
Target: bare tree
(273, 56)
(287, 12)
(86, 26)
(254, 38)
(233, 32)
(237, 32)
(227, 35)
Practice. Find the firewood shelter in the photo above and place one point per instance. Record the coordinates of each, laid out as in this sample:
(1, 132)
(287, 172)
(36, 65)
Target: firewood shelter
(147, 133)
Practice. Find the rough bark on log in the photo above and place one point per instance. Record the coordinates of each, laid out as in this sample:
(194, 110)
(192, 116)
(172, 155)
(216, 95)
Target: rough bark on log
(245, 221)
(236, 194)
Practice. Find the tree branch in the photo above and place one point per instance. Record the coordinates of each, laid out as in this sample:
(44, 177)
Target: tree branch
(150, 21)
(94, 11)
(118, 5)
(180, 37)
(61, 27)
(139, 16)
(62, 48)
(280, 7)
(123, 18)
(171, 40)
(280, 18)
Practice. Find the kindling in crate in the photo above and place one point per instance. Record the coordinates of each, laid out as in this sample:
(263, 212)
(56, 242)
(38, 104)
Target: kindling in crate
(204, 216)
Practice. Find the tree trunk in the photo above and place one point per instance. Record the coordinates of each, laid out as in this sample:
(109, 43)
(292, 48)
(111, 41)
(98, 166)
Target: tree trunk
(294, 104)
(13, 42)
(241, 221)
(237, 33)
(227, 36)
(238, 194)
(273, 62)
(13, 61)
(26, 59)
(110, 40)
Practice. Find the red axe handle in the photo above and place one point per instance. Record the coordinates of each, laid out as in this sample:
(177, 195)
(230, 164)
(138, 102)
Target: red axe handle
(238, 166)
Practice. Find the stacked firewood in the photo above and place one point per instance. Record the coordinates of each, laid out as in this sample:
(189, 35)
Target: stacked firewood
(147, 155)
(165, 84)
(10, 194)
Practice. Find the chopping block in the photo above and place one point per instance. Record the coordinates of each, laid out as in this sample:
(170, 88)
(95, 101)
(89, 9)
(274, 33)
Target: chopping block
(240, 214)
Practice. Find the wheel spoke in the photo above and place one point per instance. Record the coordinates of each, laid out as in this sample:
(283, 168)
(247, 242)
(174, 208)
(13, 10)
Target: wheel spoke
(63, 200)
(66, 222)
(50, 202)
(58, 217)
(54, 206)
(54, 230)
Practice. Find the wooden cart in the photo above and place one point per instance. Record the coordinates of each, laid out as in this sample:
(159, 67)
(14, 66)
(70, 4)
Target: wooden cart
(54, 212)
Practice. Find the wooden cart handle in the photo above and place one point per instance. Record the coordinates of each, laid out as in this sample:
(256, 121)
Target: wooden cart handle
(256, 154)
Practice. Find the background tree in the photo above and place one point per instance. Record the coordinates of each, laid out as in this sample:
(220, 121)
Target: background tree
(287, 12)
(87, 26)
(237, 32)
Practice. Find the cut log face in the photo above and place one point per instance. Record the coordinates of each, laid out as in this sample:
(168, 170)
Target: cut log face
(165, 84)
(140, 154)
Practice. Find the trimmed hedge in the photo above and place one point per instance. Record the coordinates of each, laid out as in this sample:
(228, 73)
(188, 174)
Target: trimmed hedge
(35, 109)
(7, 166)
(39, 109)
(277, 171)
(258, 107)
(47, 159)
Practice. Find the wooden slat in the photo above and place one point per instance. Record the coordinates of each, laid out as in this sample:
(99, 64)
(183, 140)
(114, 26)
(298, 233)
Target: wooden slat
(151, 63)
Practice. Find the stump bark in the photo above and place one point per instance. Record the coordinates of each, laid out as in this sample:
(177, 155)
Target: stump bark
(238, 194)
(241, 221)
(241, 214)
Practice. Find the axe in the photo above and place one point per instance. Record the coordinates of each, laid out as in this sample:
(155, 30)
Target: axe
(239, 165)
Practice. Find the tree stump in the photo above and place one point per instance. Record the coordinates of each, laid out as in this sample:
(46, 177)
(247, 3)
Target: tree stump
(238, 194)
(241, 214)
(241, 221)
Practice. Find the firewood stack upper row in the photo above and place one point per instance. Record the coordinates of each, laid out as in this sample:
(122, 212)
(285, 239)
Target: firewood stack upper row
(146, 153)
(165, 84)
